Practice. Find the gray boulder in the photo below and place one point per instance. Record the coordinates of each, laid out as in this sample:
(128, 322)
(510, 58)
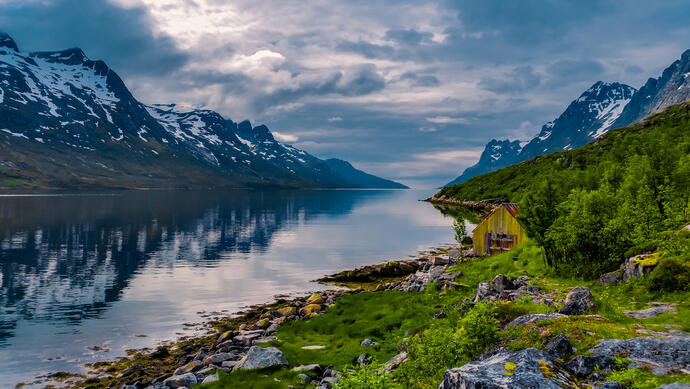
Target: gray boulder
(501, 283)
(396, 361)
(453, 254)
(671, 352)
(533, 318)
(210, 378)
(260, 357)
(440, 260)
(369, 342)
(582, 365)
(610, 278)
(609, 385)
(675, 385)
(650, 312)
(491, 373)
(483, 291)
(186, 380)
(578, 302)
(559, 347)
(217, 359)
(632, 270)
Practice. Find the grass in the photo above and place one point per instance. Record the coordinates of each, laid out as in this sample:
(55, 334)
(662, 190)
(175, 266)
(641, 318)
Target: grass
(14, 182)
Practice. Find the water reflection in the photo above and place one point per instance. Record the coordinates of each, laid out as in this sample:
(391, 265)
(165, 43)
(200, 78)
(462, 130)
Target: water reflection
(78, 271)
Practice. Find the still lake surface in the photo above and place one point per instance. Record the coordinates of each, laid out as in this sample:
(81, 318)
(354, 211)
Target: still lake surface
(127, 270)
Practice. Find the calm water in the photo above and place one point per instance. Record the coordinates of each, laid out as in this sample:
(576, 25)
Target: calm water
(128, 270)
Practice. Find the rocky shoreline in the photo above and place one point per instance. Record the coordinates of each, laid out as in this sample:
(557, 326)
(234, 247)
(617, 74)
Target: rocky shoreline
(232, 342)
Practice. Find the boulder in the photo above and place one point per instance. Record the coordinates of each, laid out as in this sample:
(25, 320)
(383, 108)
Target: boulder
(260, 357)
(186, 380)
(675, 385)
(578, 302)
(613, 277)
(528, 368)
(533, 318)
(559, 347)
(453, 254)
(636, 267)
(396, 361)
(189, 367)
(217, 359)
(501, 283)
(210, 378)
(440, 260)
(362, 359)
(582, 365)
(483, 291)
(609, 385)
(316, 368)
(650, 312)
(671, 352)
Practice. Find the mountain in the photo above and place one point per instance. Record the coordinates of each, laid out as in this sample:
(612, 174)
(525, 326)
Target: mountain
(672, 87)
(69, 122)
(359, 178)
(497, 154)
(585, 119)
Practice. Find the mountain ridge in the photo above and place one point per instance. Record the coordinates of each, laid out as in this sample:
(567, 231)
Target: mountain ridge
(67, 121)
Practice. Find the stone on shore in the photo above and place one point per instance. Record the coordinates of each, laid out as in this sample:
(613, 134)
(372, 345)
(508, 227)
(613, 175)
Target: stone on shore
(186, 380)
(578, 302)
(528, 368)
(260, 357)
(210, 378)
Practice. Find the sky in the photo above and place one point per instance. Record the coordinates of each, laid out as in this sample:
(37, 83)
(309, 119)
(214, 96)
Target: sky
(406, 90)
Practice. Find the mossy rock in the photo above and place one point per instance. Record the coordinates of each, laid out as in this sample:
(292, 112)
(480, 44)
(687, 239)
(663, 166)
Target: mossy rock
(315, 299)
(311, 308)
(288, 311)
(647, 260)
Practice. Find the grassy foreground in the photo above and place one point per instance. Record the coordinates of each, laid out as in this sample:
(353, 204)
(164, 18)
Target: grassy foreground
(393, 318)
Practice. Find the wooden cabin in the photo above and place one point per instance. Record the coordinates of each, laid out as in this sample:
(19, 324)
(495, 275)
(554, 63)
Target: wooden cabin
(500, 231)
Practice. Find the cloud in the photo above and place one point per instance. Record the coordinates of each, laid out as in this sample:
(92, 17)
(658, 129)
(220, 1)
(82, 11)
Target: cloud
(424, 80)
(519, 80)
(121, 36)
(446, 120)
(410, 36)
(427, 129)
(334, 119)
(368, 50)
(287, 138)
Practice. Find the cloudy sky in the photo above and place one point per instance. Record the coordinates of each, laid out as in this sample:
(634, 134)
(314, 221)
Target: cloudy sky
(406, 90)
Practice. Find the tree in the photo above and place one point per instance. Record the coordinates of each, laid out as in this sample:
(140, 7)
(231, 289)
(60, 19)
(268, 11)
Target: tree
(537, 213)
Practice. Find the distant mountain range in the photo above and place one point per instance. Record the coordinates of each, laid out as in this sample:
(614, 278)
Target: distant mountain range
(67, 122)
(602, 107)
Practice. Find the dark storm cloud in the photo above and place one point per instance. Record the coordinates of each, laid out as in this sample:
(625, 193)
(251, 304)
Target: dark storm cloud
(121, 37)
(519, 80)
(424, 80)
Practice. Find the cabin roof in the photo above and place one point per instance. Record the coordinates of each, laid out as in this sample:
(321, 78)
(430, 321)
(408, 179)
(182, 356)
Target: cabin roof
(512, 209)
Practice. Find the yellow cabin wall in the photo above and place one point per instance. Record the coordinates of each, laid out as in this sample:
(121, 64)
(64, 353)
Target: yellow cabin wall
(500, 221)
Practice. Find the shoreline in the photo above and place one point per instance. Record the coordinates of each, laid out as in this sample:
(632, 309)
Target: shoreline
(149, 366)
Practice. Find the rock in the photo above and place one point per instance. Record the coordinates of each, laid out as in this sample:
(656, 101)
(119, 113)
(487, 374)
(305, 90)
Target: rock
(672, 352)
(181, 381)
(191, 366)
(613, 277)
(315, 298)
(217, 359)
(675, 385)
(259, 357)
(533, 318)
(650, 312)
(559, 347)
(521, 281)
(453, 254)
(578, 302)
(501, 283)
(305, 378)
(316, 368)
(396, 361)
(311, 308)
(633, 268)
(230, 364)
(288, 311)
(246, 339)
(272, 328)
(210, 378)
(362, 359)
(483, 291)
(369, 342)
(609, 385)
(582, 365)
(440, 260)
(528, 368)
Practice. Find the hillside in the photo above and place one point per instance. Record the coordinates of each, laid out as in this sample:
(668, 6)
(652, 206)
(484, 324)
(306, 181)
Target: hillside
(664, 137)
(69, 122)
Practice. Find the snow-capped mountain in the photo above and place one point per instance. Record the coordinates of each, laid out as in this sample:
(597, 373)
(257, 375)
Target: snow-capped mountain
(672, 87)
(67, 121)
(585, 119)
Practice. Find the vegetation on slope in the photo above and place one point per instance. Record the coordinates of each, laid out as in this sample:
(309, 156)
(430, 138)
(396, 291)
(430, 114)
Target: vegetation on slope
(591, 207)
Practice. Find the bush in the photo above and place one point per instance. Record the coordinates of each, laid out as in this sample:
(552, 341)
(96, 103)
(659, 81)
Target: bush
(372, 376)
(669, 276)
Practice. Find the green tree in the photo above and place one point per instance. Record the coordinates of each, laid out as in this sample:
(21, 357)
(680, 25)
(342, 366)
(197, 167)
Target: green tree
(537, 213)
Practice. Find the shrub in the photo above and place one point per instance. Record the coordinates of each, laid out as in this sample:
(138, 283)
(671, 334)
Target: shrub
(371, 376)
(669, 276)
